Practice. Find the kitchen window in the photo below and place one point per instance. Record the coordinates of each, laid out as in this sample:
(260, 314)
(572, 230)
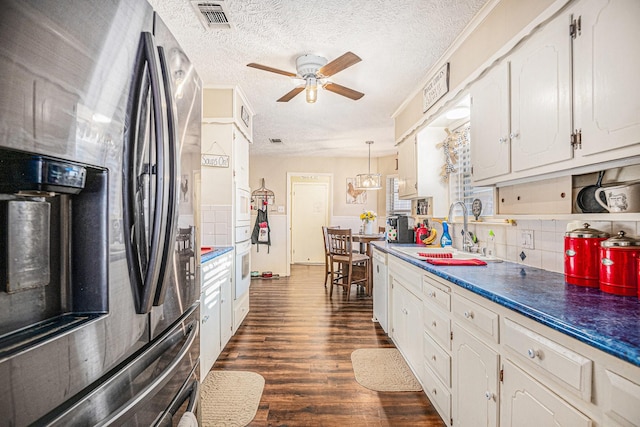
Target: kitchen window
(460, 187)
(394, 204)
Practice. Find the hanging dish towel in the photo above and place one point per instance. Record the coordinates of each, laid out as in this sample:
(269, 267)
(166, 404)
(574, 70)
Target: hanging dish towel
(454, 261)
(261, 230)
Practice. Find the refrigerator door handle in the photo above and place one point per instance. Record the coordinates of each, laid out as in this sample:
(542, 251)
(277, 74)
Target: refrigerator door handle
(145, 262)
(158, 383)
(168, 245)
(90, 409)
(190, 393)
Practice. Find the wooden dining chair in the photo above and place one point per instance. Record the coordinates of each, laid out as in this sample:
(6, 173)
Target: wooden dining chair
(327, 254)
(185, 251)
(354, 267)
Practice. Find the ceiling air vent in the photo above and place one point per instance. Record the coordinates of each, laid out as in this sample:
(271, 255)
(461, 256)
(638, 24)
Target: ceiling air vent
(212, 14)
(275, 140)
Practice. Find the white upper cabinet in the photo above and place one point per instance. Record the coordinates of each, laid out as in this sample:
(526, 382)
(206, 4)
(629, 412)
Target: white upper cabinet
(407, 179)
(419, 166)
(541, 98)
(568, 96)
(521, 110)
(240, 160)
(607, 74)
(490, 147)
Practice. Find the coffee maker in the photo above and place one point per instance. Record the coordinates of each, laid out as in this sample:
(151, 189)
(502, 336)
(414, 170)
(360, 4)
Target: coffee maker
(398, 229)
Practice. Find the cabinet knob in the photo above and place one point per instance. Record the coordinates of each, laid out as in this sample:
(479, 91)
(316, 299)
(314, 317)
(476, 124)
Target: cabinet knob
(432, 294)
(433, 357)
(514, 135)
(434, 391)
(468, 314)
(404, 310)
(434, 324)
(488, 395)
(503, 139)
(532, 353)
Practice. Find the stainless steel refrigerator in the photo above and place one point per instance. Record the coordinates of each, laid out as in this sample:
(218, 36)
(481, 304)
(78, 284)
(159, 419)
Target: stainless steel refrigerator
(100, 114)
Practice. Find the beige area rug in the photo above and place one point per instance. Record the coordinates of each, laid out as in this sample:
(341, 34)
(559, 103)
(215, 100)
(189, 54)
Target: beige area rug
(230, 398)
(383, 369)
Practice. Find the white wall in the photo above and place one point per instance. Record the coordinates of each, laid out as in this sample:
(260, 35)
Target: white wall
(274, 171)
(548, 252)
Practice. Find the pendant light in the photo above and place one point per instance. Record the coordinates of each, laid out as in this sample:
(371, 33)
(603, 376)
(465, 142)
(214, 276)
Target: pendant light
(369, 181)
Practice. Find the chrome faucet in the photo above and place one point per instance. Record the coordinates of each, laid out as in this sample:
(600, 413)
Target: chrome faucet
(466, 241)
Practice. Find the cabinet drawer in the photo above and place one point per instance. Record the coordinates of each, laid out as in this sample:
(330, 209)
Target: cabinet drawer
(437, 359)
(476, 317)
(408, 275)
(437, 325)
(622, 402)
(436, 293)
(565, 366)
(437, 393)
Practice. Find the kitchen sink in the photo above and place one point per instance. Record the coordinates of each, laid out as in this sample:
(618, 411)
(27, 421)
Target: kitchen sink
(414, 252)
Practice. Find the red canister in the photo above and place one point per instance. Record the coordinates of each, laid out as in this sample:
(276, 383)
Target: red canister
(619, 265)
(582, 256)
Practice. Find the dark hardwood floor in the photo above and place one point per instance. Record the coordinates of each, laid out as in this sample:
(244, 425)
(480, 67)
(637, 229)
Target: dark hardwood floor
(300, 341)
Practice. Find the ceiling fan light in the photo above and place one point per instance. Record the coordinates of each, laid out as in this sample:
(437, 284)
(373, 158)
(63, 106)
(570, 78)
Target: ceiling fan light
(312, 90)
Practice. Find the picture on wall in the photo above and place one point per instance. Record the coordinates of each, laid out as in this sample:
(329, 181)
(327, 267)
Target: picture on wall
(184, 189)
(358, 197)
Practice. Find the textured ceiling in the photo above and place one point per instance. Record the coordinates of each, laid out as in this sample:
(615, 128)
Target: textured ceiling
(398, 41)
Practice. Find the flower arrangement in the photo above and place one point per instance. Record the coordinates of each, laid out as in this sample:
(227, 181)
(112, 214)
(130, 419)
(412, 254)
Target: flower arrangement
(368, 216)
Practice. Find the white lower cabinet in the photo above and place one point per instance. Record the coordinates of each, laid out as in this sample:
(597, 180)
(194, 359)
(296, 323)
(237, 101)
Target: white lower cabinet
(527, 403)
(380, 289)
(215, 310)
(226, 309)
(483, 364)
(407, 317)
(621, 400)
(476, 372)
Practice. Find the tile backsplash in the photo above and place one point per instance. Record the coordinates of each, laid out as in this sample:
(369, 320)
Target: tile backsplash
(548, 239)
(216, 225)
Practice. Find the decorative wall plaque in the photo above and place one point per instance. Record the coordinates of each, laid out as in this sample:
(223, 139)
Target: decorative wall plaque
(435, 89)
(215, 160)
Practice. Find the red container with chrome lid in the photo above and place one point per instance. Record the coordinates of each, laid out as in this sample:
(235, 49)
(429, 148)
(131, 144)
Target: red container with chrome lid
(619, 265)
(582, 255)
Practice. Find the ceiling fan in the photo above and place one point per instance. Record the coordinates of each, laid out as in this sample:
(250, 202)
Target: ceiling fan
(315, 70)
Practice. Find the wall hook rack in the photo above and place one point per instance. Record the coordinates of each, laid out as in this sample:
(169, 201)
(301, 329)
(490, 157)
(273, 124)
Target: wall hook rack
(262, 197)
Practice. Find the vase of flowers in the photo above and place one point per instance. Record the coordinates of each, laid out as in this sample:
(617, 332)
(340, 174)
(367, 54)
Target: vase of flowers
(367, 218)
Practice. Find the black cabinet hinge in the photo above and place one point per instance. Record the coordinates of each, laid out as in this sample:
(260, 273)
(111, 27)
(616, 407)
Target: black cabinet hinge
(575, 28)
(451, 335)
(501, 375)
(576, 139)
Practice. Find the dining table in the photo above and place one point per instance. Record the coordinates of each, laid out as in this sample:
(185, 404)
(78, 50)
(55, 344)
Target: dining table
(363, 240)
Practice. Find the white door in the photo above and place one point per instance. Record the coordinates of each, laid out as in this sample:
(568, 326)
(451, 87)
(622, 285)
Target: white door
(309, 213)
(526, 403)
(407, 181)
(606, 75)
(490, 146)
(541, 99)
(475, 382)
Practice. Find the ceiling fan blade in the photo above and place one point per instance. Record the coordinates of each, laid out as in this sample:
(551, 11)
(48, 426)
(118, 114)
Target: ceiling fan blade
(344, 91)
(289, 95)
(339, 64)
(271, 69)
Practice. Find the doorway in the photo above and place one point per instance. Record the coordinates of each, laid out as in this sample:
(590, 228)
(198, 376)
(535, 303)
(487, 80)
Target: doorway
(310, 210)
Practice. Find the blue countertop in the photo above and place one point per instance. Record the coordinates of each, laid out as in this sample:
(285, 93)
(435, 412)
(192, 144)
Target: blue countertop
(608, 322)
(215, 252)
